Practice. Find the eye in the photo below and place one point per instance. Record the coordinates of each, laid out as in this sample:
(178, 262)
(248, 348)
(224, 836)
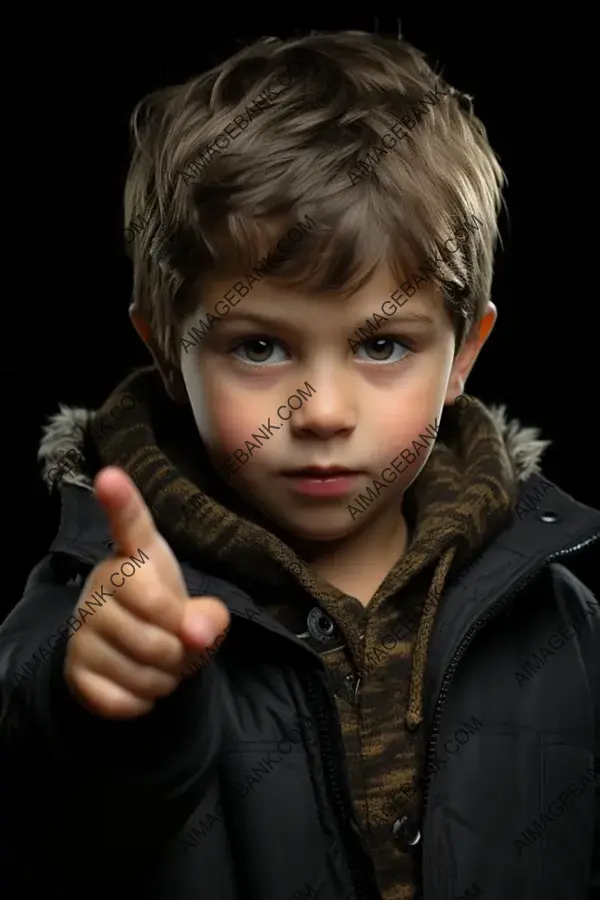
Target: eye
(257, 347)
(382, 350)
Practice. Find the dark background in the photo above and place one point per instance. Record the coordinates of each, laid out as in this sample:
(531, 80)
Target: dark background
(71, 342)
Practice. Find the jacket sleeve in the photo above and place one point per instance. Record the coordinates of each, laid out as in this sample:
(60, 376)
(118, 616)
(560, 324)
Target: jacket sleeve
(581, 604)
(128, 783)
(594, 669)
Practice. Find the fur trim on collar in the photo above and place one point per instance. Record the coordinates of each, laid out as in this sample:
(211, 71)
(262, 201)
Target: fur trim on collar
(60, 450)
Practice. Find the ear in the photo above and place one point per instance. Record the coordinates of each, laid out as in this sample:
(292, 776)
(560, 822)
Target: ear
(171, 375)
(466, 358)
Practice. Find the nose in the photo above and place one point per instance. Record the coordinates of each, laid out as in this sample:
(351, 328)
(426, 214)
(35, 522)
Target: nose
(330, 410)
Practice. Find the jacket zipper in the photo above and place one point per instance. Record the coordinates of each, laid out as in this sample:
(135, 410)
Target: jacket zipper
(467, 640)
(364, 886)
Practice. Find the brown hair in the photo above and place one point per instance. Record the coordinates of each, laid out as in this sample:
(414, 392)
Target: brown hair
(283, 130)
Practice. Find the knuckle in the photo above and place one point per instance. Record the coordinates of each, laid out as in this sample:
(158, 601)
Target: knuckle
(157, 646)
(76, 676)
(73, 654)
(101, 572)
(166, 686)
(149, 646)
(114, 708)
(153, 603)
(151, 683)
(121, 704)
(139, 595)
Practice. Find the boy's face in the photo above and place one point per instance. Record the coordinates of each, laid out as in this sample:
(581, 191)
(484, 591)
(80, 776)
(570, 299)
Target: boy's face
(358, 410)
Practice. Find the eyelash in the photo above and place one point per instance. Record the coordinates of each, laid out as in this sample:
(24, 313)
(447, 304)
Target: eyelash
(408, 345)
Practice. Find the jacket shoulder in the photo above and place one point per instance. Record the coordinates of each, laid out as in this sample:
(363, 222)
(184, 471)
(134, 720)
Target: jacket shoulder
(580, 610)
(575, 598)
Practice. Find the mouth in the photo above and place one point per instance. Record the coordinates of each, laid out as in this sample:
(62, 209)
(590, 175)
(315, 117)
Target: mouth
(321, 474)
(333, 482)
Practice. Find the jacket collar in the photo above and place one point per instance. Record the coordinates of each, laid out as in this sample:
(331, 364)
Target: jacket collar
(555, 527)
(548, 523)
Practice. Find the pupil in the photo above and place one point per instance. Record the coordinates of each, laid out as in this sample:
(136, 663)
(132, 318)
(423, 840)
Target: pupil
(258, 346)
(380, 344)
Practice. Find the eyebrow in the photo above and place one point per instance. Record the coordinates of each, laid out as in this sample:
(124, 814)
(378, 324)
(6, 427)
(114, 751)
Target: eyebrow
(274, 321)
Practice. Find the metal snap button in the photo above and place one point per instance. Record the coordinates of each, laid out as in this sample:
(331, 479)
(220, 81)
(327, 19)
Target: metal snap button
(320, 626)
(549, 517)
(406, 832)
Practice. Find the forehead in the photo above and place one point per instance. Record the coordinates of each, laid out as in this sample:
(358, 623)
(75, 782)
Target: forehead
(268, 297)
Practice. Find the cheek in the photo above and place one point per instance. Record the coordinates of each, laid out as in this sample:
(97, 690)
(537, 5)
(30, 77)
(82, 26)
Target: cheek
(409, 446)
(224, 421)
(406, 415)
(231, 429)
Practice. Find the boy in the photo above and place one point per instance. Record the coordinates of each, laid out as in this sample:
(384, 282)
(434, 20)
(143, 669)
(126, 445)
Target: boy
(311, 626)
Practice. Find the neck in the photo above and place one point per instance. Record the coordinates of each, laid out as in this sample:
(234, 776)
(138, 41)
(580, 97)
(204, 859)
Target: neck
(358, 563)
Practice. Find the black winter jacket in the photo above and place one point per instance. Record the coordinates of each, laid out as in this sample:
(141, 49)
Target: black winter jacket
(234, 787)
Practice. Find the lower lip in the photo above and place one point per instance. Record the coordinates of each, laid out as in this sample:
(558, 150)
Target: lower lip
(331, 486)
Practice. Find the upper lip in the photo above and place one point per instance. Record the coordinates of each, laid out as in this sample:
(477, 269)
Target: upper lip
(320, 470)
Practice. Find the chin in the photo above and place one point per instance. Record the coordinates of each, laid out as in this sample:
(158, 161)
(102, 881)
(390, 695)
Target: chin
(320, 526)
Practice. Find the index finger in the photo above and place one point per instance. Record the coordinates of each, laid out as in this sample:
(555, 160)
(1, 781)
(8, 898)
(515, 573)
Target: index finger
(131, 522)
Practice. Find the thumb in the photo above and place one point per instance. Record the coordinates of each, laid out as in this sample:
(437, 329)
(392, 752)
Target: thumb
(205, 625)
